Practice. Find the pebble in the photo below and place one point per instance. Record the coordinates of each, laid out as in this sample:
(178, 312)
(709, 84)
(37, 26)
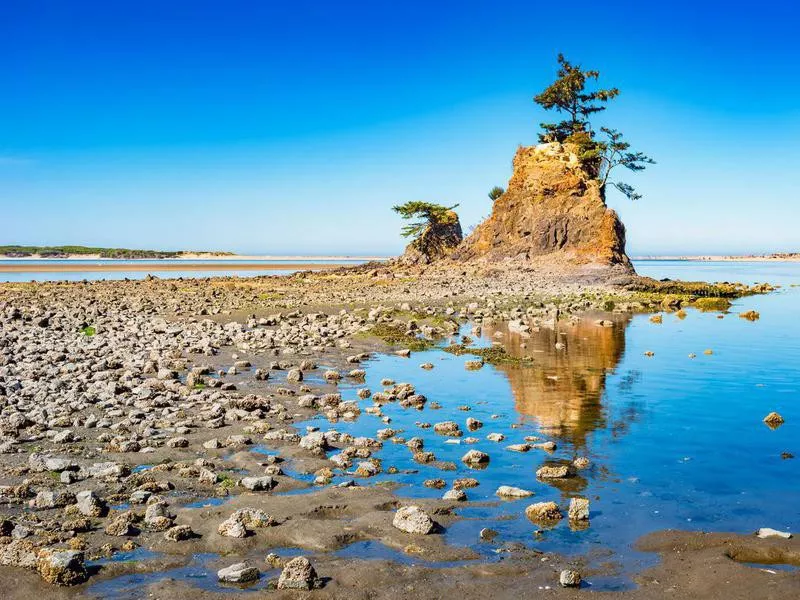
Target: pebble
(578, 509)
(61, 567)
(553, 472)
(774, 420)
(258, 484)
(507, 491)
(569, 578)
(543, 512)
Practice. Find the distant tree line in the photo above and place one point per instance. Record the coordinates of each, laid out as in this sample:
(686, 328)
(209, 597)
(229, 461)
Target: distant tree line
(60, 251)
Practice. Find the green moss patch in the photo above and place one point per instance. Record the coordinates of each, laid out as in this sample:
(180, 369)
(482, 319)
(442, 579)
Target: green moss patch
(493, 355)
(712, 304)
(395, 335)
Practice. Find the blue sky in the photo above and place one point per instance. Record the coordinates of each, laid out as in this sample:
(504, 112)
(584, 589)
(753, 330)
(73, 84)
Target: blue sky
(293, 127)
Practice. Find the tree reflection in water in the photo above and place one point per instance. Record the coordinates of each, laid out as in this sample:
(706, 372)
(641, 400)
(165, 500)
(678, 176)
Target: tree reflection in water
(563, 389)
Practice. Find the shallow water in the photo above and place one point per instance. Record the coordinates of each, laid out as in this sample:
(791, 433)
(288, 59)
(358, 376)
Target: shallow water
(201, 572)
(675, 442)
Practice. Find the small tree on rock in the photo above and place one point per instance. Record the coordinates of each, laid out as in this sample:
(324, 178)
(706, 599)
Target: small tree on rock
(568, 94)
(615, 153)
(426, 214)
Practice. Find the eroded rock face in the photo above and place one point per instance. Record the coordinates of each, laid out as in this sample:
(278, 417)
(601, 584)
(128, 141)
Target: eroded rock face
(436, 242)
(551, 207)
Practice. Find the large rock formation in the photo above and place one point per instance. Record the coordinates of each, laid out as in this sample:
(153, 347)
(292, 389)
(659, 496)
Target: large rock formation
(437, 241)
(552, 210)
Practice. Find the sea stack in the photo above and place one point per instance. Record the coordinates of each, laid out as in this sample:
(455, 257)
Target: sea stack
(552, 213)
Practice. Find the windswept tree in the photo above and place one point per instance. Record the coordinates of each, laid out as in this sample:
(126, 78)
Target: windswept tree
(495, 193)
(426, 214)
(435, 231)
(569, 95)
(615, 152)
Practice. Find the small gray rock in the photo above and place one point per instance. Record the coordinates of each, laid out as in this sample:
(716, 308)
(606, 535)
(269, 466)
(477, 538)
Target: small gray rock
(238, 573)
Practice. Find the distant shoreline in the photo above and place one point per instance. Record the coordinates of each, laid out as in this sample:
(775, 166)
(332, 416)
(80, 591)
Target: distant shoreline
(194, 256)
(788, 257)
(110, 265)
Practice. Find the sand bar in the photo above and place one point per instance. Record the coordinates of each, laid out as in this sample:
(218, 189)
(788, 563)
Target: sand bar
(155, 266)
(190, 256)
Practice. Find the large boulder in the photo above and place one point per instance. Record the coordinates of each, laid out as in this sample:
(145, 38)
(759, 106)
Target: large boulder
(552, 208)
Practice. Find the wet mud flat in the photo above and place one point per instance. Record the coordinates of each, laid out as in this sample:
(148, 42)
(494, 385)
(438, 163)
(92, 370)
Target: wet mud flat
(156, 433)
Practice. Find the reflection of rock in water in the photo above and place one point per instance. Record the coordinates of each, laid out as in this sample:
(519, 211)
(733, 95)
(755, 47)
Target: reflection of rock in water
(563, 389)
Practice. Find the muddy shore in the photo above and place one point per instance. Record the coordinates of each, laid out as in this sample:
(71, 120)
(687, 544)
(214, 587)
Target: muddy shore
(188, 377)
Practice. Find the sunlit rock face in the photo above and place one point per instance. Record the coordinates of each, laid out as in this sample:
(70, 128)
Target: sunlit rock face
(563, 387)
(551, 210)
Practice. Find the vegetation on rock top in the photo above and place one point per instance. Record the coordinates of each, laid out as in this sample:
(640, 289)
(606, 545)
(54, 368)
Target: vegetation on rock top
(599, 157)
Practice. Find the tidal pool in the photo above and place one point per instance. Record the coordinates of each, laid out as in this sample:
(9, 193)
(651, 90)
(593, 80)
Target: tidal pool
(201, 571)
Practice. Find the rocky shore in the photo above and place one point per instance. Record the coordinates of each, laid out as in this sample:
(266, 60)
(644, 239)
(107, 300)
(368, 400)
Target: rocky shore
(159, 415)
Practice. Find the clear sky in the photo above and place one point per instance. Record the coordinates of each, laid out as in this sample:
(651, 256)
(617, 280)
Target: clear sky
(293, 127)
